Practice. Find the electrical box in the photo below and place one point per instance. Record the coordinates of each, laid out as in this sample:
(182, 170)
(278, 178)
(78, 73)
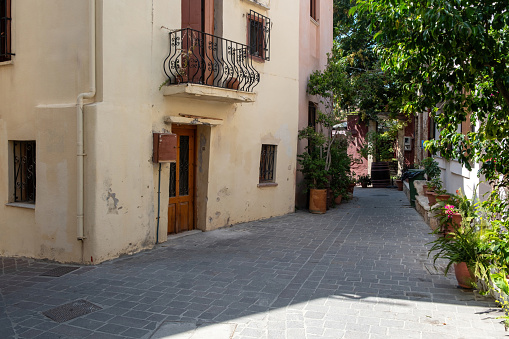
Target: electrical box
(408, 143)
(165, 147)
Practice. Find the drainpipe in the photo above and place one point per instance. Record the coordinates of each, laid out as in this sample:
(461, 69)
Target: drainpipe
(79, 124)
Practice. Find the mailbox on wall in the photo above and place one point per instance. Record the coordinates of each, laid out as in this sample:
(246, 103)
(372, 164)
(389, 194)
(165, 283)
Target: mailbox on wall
(165, 147)
(408, 143)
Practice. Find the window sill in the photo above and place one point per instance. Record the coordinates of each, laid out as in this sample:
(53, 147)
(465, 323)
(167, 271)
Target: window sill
(5, 63)
(258, 4)
(21, 205)
(267, 184)
(258, 59)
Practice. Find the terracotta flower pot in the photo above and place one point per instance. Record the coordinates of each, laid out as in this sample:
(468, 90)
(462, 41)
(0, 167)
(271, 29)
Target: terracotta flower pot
(464, 275)
(318, 200)
(424, 189)
(431, 198)
(351, 187)
(447, 228)
(399, 183)
(364, 184)
(337, 200)
(456, 219)
(443, 197)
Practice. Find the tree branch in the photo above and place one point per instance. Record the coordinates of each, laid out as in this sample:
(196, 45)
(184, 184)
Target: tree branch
(503, 90)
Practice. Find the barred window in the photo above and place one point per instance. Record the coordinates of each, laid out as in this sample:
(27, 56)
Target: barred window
(23, 180)
(312, 114)
(268, 164)
(259, 35)
(5, 30)
(313, 10)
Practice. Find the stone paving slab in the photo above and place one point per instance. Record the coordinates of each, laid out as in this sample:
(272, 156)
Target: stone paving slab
(358, 271)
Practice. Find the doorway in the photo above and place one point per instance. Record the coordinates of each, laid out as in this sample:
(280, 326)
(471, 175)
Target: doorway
(181, 204)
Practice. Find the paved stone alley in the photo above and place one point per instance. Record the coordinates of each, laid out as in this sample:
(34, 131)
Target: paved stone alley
(359, 271)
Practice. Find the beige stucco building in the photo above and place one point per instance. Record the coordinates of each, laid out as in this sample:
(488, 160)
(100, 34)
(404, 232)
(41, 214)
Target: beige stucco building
(80, 101)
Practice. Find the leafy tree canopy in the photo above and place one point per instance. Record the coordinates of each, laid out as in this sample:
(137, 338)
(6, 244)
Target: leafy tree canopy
(353, 78)
(455, 55)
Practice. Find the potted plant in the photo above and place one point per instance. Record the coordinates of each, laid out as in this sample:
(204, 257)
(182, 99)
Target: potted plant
(351, 182)
(399, 184)
(340, 168)
(316, 178)
(364, 180)
(464, 248)
(441, 194)
(431, 168)
(436, 184)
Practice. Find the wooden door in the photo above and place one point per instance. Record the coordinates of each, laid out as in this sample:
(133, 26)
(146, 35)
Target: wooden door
(198, 15)
(181, 202)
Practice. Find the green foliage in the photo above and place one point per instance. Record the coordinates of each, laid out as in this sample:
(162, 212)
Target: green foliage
(430, 168)
(436, 182)
(466, 244)
(454, 55)
(353, 76)
(314, 162)
(340, 167)
(379, 145)
(364, 179)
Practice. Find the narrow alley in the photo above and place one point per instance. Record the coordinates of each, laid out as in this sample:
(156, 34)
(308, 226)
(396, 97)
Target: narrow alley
(359, 271)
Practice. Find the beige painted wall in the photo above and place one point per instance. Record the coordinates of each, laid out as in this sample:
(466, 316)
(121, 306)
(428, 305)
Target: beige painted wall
(37, 102)
(315, 42)
(38, 92)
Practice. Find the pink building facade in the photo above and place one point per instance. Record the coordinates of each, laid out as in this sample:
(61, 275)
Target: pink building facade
(316, 36)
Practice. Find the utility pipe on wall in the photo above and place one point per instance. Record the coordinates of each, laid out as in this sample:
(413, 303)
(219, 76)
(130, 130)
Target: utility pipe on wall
(79, 124)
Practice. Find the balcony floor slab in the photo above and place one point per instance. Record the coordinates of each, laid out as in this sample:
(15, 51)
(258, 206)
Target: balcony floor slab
(208, 93)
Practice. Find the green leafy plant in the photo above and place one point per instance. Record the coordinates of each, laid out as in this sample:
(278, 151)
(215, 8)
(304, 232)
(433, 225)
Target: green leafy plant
(379, 145)
(430, 168)
(364, 179)
(340, 166)
(466, 245)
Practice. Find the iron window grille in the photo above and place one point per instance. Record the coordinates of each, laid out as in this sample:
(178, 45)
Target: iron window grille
(24, 171)
(267, 163)
(259, 35)
(5, 30)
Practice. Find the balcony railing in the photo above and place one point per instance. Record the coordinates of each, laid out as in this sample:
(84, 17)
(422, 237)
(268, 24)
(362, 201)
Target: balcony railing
(200, 58)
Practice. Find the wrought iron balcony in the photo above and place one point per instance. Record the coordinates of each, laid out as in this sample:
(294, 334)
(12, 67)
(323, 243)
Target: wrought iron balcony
(200, 58)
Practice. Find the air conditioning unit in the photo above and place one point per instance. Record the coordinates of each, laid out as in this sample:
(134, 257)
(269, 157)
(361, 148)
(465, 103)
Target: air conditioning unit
(408, 143)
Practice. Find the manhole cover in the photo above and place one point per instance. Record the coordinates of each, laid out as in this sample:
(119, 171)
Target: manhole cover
(71, 310)
(59, 271)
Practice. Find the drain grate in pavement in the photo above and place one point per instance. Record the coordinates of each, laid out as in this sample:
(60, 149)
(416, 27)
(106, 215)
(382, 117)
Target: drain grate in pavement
(59, 271)
(71, 310)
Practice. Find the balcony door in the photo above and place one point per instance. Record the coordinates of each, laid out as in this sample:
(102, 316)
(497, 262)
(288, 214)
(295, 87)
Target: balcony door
(199, 16)
(182, 190)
